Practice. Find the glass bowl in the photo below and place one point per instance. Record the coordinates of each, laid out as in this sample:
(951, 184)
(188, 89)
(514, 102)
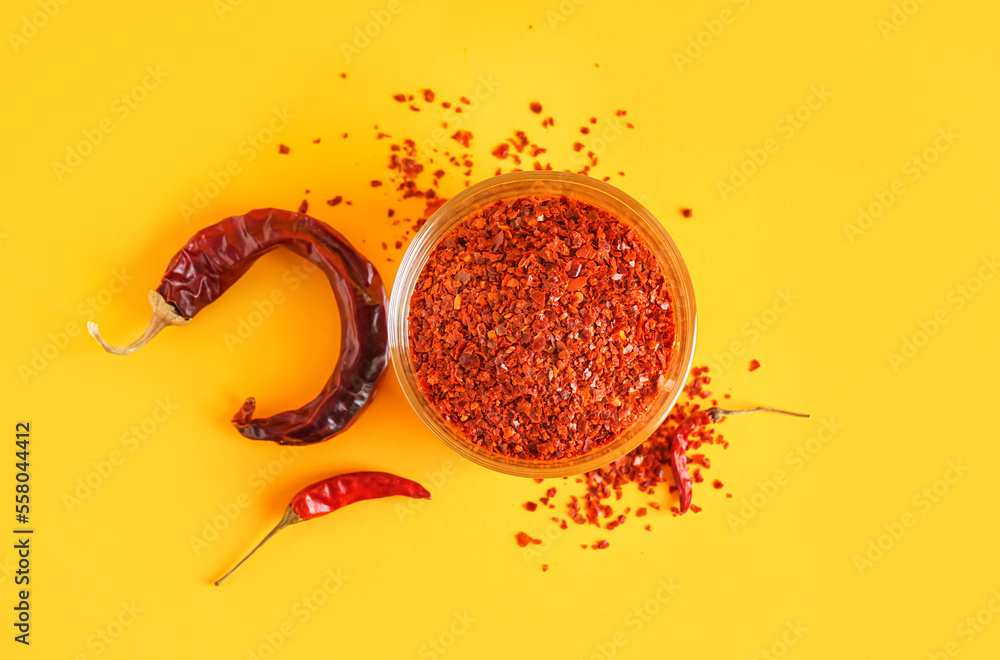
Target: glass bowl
(585, 189)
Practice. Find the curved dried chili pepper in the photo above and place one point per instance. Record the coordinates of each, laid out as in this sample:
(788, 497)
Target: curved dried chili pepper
(330, 494)
(217, 256)
(678, 445)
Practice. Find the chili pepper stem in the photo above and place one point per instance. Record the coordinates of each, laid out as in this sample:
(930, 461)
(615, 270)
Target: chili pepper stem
(717, 413)
(290, 518)
(163, 316)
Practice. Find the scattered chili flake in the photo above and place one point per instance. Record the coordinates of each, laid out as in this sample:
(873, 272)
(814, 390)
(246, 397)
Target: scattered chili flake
(317, 140)
(375, 183)
(640, 512)
(578, 146)
(536, 107)
(600, 545)
(535, 262)
(400, 97)
(399, 244)
(523, 540)
(336, 200)
(304, 206)
(686, 213)
(385, 246)
(462, 137)
(695, 508)
(545, 567)
(501, 150)
(465, 100)
(648, 528)
(593, 120)
(717, 484)
(548, 121)
(414, 108)
(428, 96)
(530, 506)
(584, 129)
(283, 149)
(754, 365)
(620, 113)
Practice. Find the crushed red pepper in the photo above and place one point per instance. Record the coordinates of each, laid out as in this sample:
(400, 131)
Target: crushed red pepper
(540, 328)
(754, 365)
(283, 149)
(535, 107)
(686, 213)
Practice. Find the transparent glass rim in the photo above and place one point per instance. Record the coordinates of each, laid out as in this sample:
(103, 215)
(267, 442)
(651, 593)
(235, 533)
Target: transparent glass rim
(591, 191)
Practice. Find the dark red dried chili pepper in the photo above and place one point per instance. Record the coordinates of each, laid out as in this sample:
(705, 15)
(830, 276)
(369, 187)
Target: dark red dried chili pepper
(333, 493)
(678, 459)
(217, 256)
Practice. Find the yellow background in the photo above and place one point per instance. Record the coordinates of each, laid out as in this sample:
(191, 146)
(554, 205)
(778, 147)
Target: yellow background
(783, 574)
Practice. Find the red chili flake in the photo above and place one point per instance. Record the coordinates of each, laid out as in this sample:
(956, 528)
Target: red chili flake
(600, 545)
(344, 136)
(695, 508)
(376, 183)
(545, 567)
(501, 150)
(686, 213)
(399, 244)
(531, 304)
(536, 107)
(465, 100)
(530, 506)
(380, 136)
(620, 113)
(343, 75)
(717, 484)
(593, 120)
(317, 140)
(336, 200)
(729, 495)
(578, 146)
(648, 528)
(551, 492)
(584, 129)
(385, 246)
(283, 149)
(548, 121)
(462, 137)
(523, 540)
(640, 512)
(754, 365)
(400, 97)
(414, 108)
(629, 125)
(445, 105)
(304, 206)
(307, 191)
(428, 96)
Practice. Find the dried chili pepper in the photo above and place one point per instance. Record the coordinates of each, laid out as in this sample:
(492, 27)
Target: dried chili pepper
(334, 493)
(678, 462)
(217, 256)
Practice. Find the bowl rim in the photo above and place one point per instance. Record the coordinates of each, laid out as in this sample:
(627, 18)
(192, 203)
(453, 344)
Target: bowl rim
(445, 218)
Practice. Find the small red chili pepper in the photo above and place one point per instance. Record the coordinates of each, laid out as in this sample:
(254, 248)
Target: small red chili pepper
(333, 493)
(217, 256)
(678, 462)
